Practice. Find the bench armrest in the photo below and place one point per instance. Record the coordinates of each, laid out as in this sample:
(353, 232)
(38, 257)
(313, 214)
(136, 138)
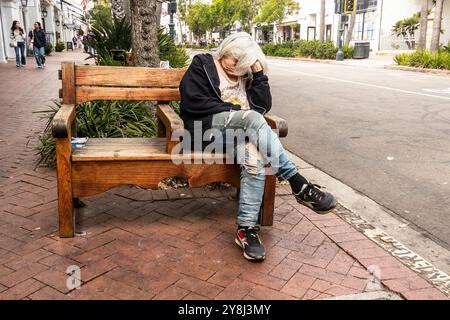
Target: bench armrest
(62, 122)
(171, 122)
(277, 123)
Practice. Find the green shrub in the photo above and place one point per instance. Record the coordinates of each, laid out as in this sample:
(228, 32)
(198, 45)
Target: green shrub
(307, 48)
(283, 52)
(268, 49)
(108, 33)
(348, 52)
(402, 59)
(48, 49)
(424, 59)
(325, 50)
(59, 47)
(169, 51)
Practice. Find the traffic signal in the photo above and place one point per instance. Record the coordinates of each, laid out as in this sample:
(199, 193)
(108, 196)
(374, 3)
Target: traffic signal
(349, 6)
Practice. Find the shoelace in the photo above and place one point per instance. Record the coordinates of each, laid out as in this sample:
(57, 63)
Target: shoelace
(314, 191)
(252, 235)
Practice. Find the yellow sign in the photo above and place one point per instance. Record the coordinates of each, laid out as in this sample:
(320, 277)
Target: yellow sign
(349, 6)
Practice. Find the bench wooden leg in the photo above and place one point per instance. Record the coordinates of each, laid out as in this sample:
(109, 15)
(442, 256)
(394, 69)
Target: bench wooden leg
(268, 201)
(65, 198)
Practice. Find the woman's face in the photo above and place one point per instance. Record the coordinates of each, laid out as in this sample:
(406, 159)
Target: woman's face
(228, 64)
(17, 25)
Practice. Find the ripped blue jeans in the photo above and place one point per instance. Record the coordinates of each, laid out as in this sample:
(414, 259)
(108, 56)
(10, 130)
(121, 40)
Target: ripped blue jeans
(260, 147)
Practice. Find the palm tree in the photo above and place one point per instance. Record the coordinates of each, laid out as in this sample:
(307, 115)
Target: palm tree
(322, 21)
(145, 32)
(435, 38)
(423, 25)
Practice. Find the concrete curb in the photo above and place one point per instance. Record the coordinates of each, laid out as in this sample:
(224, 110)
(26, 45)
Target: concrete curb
(421, 70)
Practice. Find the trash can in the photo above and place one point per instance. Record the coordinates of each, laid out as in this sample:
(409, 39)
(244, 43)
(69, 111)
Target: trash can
(362, 50)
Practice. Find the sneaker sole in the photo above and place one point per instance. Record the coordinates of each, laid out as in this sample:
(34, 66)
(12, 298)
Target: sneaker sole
(246, 256)
(307, 204)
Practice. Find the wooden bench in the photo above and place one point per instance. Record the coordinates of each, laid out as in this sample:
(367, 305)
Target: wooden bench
(109, 162)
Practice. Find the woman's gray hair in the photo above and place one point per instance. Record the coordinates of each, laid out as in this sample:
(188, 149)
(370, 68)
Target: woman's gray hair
(244, 49)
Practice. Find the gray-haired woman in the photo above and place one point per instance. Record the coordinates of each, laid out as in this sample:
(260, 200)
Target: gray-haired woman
(229, 91)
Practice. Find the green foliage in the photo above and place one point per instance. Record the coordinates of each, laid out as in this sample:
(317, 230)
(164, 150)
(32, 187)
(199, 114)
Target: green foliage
(424, 59)
(200, 18)
(99, 119)
(59, 47)
(225, 13)
(325, 50)
(348, 51)
(283, 52)
(177, 57)
(204, 47)
(109, 33)
(406, 28)
(303, 48)
(48, 49)
(446, 48)
(276, 10)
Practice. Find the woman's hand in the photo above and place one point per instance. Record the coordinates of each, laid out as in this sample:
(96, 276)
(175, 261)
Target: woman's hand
(256, 67)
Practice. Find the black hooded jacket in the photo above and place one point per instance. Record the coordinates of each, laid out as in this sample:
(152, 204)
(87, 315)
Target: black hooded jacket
(201, 98)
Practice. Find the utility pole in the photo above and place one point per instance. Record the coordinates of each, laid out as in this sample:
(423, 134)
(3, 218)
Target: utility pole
(172, 9)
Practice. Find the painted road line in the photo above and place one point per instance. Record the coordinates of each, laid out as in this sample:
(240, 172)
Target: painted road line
(363, 84)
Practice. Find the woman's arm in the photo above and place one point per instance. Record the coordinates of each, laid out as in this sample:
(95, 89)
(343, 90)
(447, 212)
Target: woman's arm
(196, 98)
(259, 90)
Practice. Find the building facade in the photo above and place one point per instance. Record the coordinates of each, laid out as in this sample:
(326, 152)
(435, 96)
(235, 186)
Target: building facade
(374, 23)
(60, 20)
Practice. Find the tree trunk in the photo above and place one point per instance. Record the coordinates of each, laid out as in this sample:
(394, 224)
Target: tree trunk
(181, 30)
(322, 21)
(190, 32)
(435, 38)
(423, 26)
(145, 26)
(348, 36)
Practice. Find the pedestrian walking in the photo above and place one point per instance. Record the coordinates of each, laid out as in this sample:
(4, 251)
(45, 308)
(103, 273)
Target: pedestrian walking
(227, 94)
(37, 36)
(18, 42)
(75, 40)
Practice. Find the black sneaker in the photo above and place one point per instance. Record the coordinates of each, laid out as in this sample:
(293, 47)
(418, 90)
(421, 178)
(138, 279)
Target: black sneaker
(316, 199)
(247, 238)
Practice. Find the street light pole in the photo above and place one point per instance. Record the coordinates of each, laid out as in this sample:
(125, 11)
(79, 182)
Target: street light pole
(172, 8)
(340, 54)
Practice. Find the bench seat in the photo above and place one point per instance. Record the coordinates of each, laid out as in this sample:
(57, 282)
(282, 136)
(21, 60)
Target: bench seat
(132, 149)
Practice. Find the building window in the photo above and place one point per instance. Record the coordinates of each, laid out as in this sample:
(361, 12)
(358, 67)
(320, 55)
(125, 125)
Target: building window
(364, 26)
(311, 33)
(328, 32)
(296, 29)
(366, 5)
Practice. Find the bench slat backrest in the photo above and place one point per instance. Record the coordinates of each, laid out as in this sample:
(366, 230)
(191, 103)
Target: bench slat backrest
(87, 83)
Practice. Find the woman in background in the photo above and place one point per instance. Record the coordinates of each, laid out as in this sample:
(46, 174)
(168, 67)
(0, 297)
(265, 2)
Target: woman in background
(19, 37)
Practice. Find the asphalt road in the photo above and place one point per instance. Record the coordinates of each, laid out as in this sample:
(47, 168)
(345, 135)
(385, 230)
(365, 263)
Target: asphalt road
(385, 133)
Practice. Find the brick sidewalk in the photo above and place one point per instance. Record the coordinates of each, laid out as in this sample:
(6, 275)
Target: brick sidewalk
(174, 244)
